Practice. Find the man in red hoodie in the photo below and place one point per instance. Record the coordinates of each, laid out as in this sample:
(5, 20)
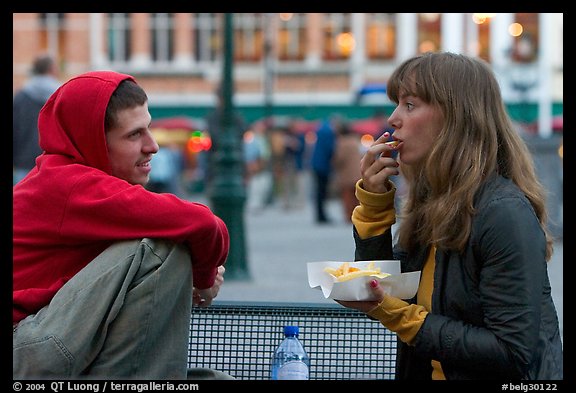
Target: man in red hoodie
(105, 273)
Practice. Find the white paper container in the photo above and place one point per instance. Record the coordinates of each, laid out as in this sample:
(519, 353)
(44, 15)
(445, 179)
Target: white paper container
(400, 285)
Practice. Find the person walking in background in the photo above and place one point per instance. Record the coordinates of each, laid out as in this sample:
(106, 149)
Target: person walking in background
(105, 272)
(293, 186)
(321, 165)
(166, 173)
(276, 136)
(346, 164)
(257, 160)
(26, 106)
(474, 223)
(379, 117)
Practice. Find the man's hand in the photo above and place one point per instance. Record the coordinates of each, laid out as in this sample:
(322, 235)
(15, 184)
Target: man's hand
(204, 297)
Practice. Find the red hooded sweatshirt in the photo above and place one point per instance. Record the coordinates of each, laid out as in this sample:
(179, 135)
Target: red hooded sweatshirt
(70, 208)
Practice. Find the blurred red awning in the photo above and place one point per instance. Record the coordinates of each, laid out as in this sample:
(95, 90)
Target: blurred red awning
(175, 123)
(301, 126)
(173, 130)
(367, 126)
(558, 123)
(306, 126)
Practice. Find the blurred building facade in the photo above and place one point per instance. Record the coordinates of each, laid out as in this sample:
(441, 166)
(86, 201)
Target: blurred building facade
(301, 63)
(308, 65)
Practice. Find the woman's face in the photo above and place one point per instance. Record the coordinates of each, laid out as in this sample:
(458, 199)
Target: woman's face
(416, 124)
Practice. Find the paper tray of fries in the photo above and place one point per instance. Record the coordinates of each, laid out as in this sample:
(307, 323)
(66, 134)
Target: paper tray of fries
(349, 280)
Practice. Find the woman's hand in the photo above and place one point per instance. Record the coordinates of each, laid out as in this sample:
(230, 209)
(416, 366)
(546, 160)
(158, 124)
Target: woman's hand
(377, 165)
(366, 306)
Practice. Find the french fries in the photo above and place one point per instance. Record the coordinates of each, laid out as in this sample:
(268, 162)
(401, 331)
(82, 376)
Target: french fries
(392, 143)
(346, 272)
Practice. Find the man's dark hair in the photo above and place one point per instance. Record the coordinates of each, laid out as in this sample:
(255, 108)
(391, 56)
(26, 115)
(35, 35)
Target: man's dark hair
(127, 95)
(43, 65)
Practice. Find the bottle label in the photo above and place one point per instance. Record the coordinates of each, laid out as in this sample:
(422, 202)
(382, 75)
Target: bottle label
(293, 370)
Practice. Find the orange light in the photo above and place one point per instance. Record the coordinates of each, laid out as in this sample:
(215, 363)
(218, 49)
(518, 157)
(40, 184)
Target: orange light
(366, 140)
(346, 43)
(515, 29)
(198, 142)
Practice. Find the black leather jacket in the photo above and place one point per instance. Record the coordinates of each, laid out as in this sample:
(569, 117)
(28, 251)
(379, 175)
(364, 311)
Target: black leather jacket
(492, 311)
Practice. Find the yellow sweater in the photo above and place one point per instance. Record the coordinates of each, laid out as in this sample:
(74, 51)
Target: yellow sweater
(374, 216)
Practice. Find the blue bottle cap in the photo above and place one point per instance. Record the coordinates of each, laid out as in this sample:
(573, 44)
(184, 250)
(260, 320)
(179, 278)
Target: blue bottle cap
(291, 330)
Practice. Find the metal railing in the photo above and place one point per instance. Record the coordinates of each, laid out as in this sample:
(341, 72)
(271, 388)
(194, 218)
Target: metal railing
(240, 338)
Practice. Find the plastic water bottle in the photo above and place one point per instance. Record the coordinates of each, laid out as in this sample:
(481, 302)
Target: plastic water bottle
(290, 359)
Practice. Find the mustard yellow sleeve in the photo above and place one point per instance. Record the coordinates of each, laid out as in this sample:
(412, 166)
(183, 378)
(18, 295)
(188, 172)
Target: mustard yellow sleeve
(375, 214)
(400, 317)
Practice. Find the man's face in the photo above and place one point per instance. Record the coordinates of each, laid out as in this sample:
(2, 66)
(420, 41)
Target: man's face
(131, 145)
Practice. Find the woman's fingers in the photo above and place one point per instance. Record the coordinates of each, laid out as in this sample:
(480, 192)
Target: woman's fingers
(375, 172)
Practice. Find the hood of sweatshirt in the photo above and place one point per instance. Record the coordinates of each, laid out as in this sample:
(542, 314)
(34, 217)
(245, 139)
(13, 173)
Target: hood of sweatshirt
(71, 123)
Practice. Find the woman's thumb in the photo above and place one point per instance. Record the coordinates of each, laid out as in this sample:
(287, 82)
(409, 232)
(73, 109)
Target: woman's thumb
(377, 290)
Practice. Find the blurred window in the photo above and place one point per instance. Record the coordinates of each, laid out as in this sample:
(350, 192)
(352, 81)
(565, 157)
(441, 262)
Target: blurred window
(207, 27)
(525, 45)
(380, 36)
(429, 39)
(483, 22)
(292, 37)
(248, 36)
(119, 34)
(337, 42)
(52, 33)
(162, 37)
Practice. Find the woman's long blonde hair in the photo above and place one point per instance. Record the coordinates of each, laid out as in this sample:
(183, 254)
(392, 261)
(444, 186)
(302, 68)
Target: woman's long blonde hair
(477, 140)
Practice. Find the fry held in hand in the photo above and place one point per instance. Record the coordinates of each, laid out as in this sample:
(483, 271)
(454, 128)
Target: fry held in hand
(346, 272)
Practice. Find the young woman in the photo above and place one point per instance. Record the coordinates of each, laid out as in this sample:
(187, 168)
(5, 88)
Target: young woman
(473, 222)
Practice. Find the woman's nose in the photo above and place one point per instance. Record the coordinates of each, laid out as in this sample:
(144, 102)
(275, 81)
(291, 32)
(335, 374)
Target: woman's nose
(393, 120)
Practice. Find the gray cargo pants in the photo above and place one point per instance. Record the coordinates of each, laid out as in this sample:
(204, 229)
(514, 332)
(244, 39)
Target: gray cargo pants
(126, 315)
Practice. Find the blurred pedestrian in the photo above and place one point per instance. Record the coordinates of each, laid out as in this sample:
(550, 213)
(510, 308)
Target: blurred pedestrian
(258, 173)
(276, 137)
(380, 118)
(105, 272)
(166, 172)
(293, 187)
(321, 165)
(26, 106)
(346, 164)
(474, 223)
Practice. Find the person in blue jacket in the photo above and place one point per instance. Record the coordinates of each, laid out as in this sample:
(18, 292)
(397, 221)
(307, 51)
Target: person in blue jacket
(321, 165)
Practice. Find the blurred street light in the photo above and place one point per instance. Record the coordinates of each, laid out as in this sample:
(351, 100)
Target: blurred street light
(227, 191)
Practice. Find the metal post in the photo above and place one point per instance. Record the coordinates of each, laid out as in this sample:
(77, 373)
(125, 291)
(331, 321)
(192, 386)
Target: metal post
(227, 191)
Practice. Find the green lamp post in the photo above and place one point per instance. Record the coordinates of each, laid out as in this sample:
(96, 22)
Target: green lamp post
(227, 191)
